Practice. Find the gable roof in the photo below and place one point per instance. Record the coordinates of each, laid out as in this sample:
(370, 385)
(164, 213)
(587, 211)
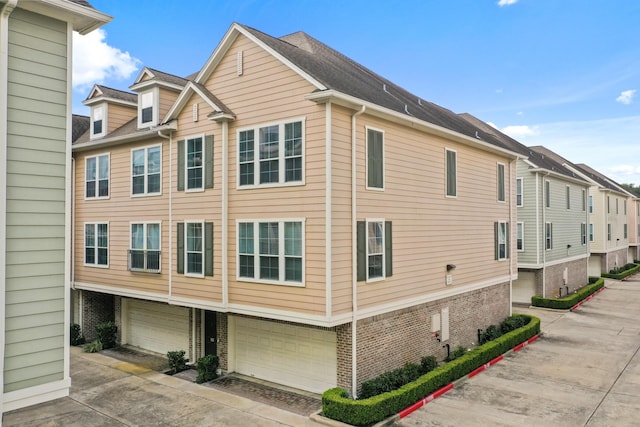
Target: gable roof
(83, 17)
(587, 173)
(79, 126)
(157, 77)
(102, 93)
(536, 159)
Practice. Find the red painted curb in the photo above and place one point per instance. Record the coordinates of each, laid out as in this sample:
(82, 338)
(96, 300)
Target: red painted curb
(424, 401)
(587, 298)
(526, 343)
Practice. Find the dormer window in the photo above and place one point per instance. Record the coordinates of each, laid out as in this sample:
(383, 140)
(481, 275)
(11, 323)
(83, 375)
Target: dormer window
(147, 111)
(98, 125)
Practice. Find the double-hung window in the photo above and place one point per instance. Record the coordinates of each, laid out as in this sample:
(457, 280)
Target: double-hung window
(609, 232)
(548, 236)
(271, 155)
(145, 170)
(96, 244)
(195, 248)
(451, 170)
(501, 240)
(146, 109)
(591, 236)
(547, 194)
(195, 163)
(144, 254)
(520, 236)
(97, 177)
(625, 232)
(271, 251)
(375, 159)
(590, 204)
(375, 250)
(98, 121)
(568, 197)
(584, 200)
(519, 195)
(501, 188)
(583, 233)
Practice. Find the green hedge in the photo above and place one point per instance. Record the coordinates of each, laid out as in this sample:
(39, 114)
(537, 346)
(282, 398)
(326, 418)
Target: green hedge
(337, 405)
(629, 270)
(567, 302)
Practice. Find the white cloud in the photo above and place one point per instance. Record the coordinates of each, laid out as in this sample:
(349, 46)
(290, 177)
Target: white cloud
(517, 132)
(94, 61)
(507, 2)
(626, 97)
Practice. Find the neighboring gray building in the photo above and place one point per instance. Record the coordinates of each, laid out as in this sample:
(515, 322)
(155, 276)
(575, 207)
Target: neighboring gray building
(35, 173)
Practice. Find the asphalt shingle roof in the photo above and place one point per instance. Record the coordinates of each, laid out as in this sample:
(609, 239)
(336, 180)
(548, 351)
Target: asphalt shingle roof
(168, 78)
(118, 94)
(79, 126)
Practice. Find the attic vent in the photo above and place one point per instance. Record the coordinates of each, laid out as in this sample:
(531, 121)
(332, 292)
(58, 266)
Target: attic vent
(406, 110)
(239, 63)
(384, 87)
(419, 101)
(478, 135)
(194, 110)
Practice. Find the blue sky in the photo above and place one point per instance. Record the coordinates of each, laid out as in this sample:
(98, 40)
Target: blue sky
(560, 73)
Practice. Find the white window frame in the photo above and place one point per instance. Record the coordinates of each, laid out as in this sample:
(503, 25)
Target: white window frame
(201, 167)
(547, 193)
(281, 251)
(446, 173)
(624, 206)
(583, 233)
(281, 155)
(591, 233)
(97, 180)
(146, 171)
(145, 236)
(625, 231)
(590, 204)
(519, 192)
(383, 246)
(608, 204)
(520, 236)
(609, 232)
(384, 169)
(103, 108)
(584, 200)
(154, 93)
(502, 239)
(186, 248)
(501, 187)
(96, 247)
(548, 236)
(568, 197)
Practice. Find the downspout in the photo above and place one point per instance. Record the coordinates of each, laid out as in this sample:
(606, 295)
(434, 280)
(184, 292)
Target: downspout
(225, 213)
(544, 234)
(5, 11)
(354, 255)
(170, 138)
(512, 229)
(72, 271)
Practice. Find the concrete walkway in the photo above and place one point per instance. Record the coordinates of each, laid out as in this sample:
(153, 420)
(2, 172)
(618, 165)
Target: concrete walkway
(584, 371)
(109, 392)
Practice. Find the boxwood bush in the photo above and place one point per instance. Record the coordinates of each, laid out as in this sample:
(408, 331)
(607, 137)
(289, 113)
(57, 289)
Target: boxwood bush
(567, 302)
(337, 404)
(622, 272)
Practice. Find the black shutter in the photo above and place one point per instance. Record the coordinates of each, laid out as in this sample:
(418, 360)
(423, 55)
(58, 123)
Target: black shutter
(180, 260)
(181, 165)
(361, 232)
(208, 161)
(208, 249)
(388, 249)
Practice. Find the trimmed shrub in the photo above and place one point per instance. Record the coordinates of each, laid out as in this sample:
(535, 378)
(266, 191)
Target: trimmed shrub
(106, 334)
(428, 364)
(457, 352)
(567, 302)
(207, 368)
(491, 333)
(512, 323)
(76, 337)
(337, 405)
(391, 380)
(92, 347)
(622, 272)
(177, 361)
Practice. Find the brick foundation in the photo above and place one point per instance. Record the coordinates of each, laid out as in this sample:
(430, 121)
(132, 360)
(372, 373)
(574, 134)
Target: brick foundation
(577, 275)
(616, 259)
(96, 308)
(222, 332)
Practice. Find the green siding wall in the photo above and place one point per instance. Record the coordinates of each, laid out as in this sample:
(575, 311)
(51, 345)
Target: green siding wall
(35, 238)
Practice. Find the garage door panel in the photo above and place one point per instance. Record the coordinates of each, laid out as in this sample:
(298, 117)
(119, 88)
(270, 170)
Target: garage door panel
(296, 356)
(157, 327)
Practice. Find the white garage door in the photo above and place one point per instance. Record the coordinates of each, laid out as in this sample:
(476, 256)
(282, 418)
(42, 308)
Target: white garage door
(295, 356)
(157, 327)
(524, 287)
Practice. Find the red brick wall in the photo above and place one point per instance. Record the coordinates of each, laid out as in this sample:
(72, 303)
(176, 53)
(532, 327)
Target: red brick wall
(96, 308)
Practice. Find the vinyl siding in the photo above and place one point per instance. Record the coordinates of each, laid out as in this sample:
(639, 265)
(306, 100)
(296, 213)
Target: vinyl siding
(119, 115)
(35, 235)
(167, 98)
(531, 200)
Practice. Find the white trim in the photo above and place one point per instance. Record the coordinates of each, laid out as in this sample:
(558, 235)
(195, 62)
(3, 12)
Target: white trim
(225, 212)
(33, 395)
(68, 211)
(567, 196)
(520, 223)
(366, 159)
(552, 263)
(328, 226)
(504, 182)
(548, 225)
(84, 244)
(5, 11)
(384, 254)
(585, 241)
(97, 184)
(145, 236)
(547, 194)
(124, 292)
(123, 139)
(281, 154)
(202, 252)
(281, 255)
(155, 107)
(446, 173)
(146, 170)
(506, 241)
(104, 107)
(521, 181)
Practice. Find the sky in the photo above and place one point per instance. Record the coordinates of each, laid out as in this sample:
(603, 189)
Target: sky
(560, 73)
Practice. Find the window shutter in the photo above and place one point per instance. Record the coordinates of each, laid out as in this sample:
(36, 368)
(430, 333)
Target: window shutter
(208, 249)
(208, 161)
(496, 238)
(180, 248)
(361, 232)
(388, 249)
(181, 165)
(508, 241)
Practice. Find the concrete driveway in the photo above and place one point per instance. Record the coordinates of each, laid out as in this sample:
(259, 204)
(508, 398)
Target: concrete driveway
(584, 371)
(109, 392)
